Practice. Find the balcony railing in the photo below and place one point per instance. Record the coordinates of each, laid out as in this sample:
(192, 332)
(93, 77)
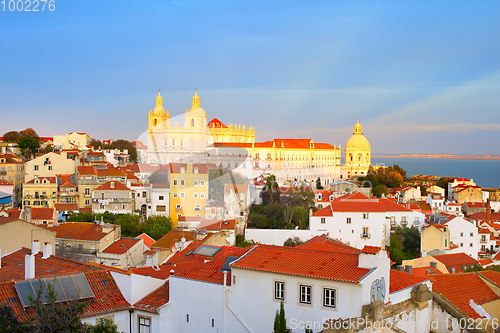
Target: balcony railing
(483, 240)
(365, 236)
(65, 249)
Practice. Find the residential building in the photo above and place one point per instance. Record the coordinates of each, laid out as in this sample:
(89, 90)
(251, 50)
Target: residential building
(24, 233)
(40, 191)
(237, 201)
(40, 215)
(64, 210)
(82, 241)
(86, 179)
(160, 199)
(435, 237)
(471, 208)
(6, 194)
(113, 197)
(12, 170)
(436, 201)
(71, 140)
(453, 208)
(50, 165)
(124, 253)
(458, 184)
(188, 190)
(68, 190)
(409, 193)
(468, 194)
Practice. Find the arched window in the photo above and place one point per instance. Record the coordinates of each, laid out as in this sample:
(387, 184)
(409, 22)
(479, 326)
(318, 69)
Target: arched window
(350, 157)
(192, 122)
(156, 122)
(367, 157)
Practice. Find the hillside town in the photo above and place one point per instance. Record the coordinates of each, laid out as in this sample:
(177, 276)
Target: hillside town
(202, 228)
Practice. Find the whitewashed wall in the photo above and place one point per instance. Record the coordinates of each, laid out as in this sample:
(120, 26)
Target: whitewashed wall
(276, 236)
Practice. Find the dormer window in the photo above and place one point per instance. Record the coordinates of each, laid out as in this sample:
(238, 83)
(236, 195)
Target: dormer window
(36, 181)
(112, 185)
(45, 181)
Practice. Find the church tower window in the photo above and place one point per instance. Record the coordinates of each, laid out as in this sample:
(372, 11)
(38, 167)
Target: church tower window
(192, 122)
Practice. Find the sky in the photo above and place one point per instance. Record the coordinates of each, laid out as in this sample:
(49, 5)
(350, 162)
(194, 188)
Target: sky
(422, 76)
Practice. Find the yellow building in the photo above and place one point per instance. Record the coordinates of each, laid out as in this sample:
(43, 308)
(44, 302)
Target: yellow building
(435, 237)
(468, 194)
(40, 192)
(72, 139)
(357, 154)
(188, 190)
(50, 165)
(16, 233)
(219, 132)
(12, 169)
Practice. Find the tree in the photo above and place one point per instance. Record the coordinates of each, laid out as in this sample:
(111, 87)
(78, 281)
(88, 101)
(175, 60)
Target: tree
(81, 217)
(293, 241)
(308, 329)
(280, 320)
(474, 268)
(103, 325)
(124, 144)
(129, 224)
(303, 197)
(410, 238)
(271, 192)
(11, 136)
(96, 144)
(54, 317)
(29, 133)
(318, 184)
(241, 242)
(379, 190)
(157, 226)
(28, 146)
(423, 190)
(9, 323)
(443, 183)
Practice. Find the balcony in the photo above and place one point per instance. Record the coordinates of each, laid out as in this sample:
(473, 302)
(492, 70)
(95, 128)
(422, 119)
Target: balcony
(3, 173)
(365, 236)
(483, 240)
(64, 249)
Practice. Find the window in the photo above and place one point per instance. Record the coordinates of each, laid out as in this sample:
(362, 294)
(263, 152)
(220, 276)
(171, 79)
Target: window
(365, 232)
(175, 182)
(202, 183)
(195, 195)
(348, 220)
(461, 244)
(305, 294)
(461, 234)
(160, 197)
(87, 202)
(329, 297)
(197, 207)
(144, 324)
(50, 167)
(182, 182)
(116, 207)
(213, 322)
(446, 242)
(365, 216)
(471, 245)
(187, 318)
(175, 195)
(323, 220)
(279, 290)
(202, 195)
(195, 182)
(161, 208)
(196, 172)
(472, 234)
(182, 195)
(35, 167)
(87, 191)
(452, 269)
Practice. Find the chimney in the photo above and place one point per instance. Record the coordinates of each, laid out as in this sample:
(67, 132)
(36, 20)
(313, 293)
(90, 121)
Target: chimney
(488, 211)
(408, 269)
(434, 264)
(29, 266)
(400, 268)
(27, 214)
(47, 250)
(35, 247)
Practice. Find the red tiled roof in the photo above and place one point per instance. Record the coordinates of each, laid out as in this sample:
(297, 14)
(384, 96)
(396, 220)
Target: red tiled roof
(216, 123)
(218, 225)
(354, 195)
(322, 265)
(14, 213)
(459, 289)
(112, 186)
(482, 216)
(85, 210)
(154, 300)
(424, 271)
(42, 213)
(456, 260)
(13, 266)
(327, 211)
(333, 243)
(173, 236)
(497, 256)
(78, 231)
(492, 276)
(66, 206)
(400, 280)
(485, 261)
(3, 182)
(121, 246)
(370, 249)
(4, 219)
(110, 171)
(87, 170)
(148, 241)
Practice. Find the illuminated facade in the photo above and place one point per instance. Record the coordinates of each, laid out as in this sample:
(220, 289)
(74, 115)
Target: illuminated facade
(357, 154)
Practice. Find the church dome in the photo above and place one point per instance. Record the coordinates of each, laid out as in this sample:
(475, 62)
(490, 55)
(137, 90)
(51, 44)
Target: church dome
(357, 142)
(159, 105)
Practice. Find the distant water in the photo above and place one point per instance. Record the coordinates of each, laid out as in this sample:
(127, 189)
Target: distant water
(486, 173)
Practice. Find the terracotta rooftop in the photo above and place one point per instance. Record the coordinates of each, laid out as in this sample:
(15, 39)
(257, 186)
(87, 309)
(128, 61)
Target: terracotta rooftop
(216, 123)
(361, 205)
(42, 213)
(371, 249)
(424, 271)
(337, 266)
(354, 195)
(66, 206)
(400, 280)
(459, 289)
(148, 241)
(121, 246)
(333, 243)
(162, 272)
(5, 183)
(50, 180)
(86, 231)
(173, 236)
(110, 171)
(217, 225)
(492, 276)
(154, 300)
(13, 266)
(112, 185)
(87, 170)
(456, 260)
